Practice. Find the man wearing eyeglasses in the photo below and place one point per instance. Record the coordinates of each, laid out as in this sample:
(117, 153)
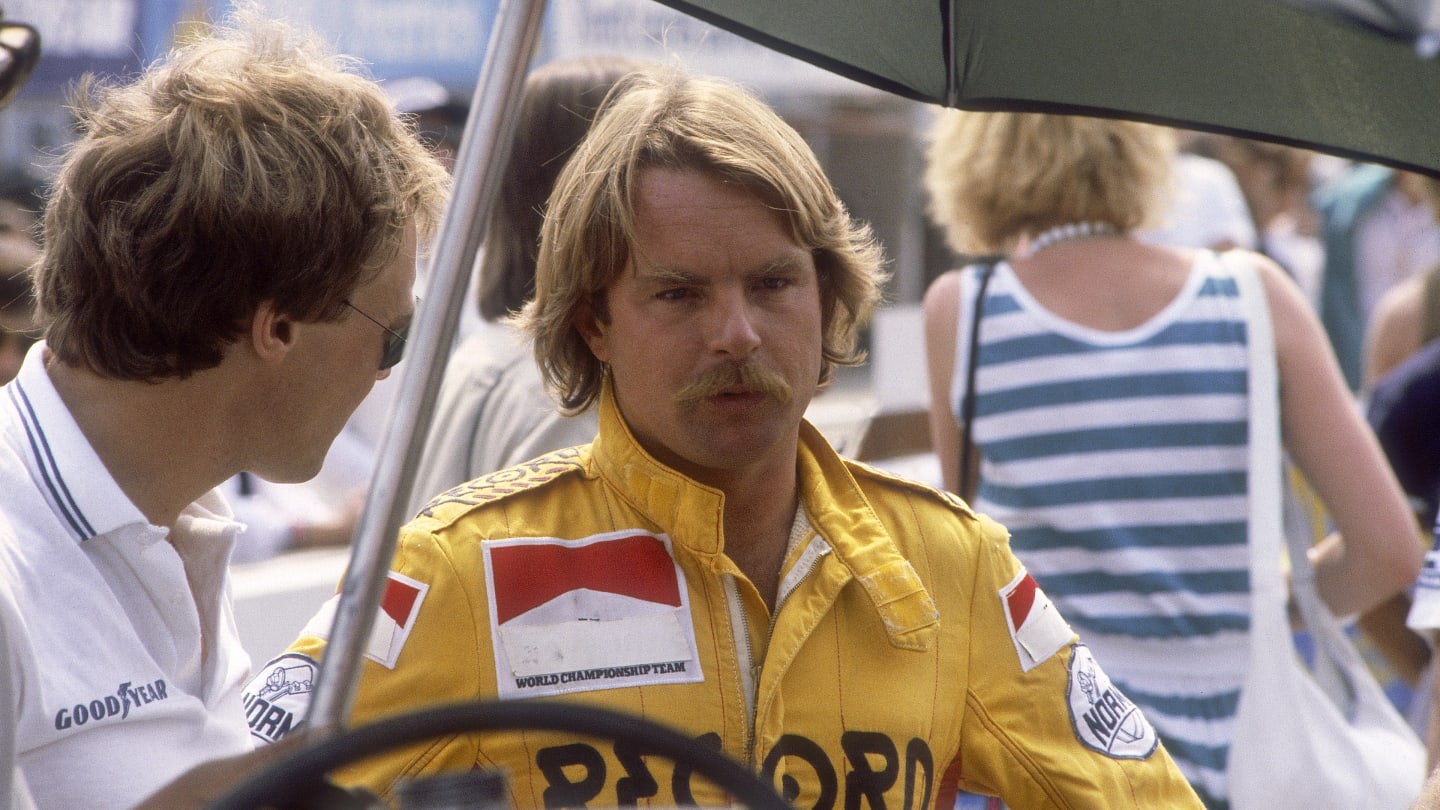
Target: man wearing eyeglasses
(226, 271)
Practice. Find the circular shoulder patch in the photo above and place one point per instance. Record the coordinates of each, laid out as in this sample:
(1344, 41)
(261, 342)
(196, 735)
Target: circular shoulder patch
(1103, 718)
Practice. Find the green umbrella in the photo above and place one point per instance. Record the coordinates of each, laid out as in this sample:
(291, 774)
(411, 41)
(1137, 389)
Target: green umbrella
(1410, 20)
(1255, 68)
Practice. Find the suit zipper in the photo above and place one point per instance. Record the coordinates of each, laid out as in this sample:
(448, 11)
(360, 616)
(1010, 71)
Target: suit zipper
(747, 663)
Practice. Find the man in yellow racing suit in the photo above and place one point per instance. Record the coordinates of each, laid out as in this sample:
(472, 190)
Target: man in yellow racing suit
(888, 671)
(709, 562)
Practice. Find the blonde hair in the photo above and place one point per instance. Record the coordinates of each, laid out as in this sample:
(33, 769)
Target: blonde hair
(664, 118)
(992, 177)
(250, 165)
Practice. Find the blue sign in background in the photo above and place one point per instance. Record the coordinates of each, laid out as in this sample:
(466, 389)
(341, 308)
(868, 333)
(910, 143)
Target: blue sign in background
(112, 37)
(442, 39)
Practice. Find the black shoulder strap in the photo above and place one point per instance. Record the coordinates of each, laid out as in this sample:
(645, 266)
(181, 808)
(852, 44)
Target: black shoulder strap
(967, 404)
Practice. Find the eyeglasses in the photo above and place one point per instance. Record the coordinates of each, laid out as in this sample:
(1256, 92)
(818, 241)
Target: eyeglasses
(394, 341)
(19, 51)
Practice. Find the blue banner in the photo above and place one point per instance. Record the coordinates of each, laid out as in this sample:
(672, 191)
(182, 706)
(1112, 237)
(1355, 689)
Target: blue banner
(443, 40)
(107, 37)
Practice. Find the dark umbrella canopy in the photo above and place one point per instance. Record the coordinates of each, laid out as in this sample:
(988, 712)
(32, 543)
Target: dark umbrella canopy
(1403, 19)
(1256, 68)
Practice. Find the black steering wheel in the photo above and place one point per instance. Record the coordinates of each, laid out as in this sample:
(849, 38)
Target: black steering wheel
(278, 785)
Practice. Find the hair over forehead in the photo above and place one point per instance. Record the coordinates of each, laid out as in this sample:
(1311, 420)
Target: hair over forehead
(664, 118)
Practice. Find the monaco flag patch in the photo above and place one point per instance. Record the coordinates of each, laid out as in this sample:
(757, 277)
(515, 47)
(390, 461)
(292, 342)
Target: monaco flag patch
(399, 606)
(600, 612)
(1036, 627)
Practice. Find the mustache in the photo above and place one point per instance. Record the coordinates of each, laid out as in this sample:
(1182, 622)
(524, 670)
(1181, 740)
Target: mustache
(749, 375)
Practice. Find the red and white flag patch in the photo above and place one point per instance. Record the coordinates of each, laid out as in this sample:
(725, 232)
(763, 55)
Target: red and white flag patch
(600, 612)
(1036, 627)
(399, 607)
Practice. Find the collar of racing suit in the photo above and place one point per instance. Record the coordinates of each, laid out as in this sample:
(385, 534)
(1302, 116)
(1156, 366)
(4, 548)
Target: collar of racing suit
(838, 509)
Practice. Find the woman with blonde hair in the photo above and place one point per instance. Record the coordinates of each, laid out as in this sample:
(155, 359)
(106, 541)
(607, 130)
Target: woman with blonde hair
(1110, 418)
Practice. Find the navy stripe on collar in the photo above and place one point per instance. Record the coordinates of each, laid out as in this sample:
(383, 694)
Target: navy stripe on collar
(53, 481)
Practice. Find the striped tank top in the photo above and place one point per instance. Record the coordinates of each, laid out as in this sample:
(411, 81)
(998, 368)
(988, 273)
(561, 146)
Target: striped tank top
(1119, 463)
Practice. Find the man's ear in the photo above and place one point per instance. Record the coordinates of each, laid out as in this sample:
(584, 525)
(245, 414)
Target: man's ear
(272, 333)
(592, 329)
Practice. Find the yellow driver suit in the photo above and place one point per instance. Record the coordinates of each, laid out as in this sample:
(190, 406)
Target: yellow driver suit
(909, 654)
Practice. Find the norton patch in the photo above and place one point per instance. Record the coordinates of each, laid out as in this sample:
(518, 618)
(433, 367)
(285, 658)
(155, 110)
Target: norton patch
(1036, 627)
(1104, 719)
(600, 612)
(277, 699)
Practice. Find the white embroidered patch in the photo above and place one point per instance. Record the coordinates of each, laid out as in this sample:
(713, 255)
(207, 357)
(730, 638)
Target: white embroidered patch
(399, 607)
(278, 698)
(1104, 719)
(1036, 627)
(600, 612)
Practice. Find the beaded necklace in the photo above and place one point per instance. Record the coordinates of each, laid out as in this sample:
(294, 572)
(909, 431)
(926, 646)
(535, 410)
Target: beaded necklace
(1068, 231)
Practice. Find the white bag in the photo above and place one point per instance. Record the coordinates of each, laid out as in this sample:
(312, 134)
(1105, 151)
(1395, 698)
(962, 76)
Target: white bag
(1327, 741)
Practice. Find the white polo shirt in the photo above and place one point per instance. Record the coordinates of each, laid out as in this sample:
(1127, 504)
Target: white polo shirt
(105, 693)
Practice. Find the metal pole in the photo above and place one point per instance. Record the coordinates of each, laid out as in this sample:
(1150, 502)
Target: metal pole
(483, 150)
